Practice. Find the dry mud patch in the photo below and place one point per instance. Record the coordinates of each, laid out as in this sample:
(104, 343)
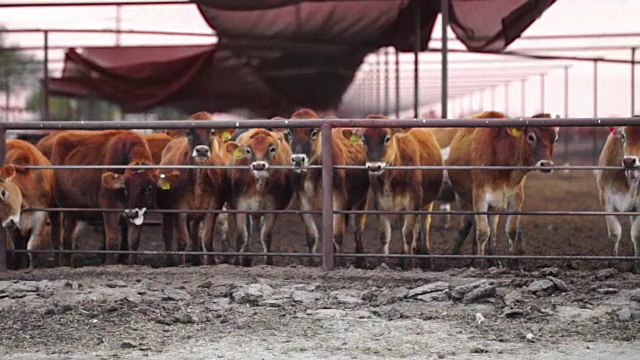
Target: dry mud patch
(305, 313)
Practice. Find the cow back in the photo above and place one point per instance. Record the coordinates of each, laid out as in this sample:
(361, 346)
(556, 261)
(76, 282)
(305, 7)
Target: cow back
(36, 185)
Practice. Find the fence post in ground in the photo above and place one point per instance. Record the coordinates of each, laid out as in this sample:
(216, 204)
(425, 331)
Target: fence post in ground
(328, 257)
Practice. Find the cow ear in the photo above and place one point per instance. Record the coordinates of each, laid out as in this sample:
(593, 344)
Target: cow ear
(354, 135)
(7, 173)
(227, 134)
(112, 181)
(175, 133)
(515, 131)
(166, 181)
(616, 131)
(234, 149)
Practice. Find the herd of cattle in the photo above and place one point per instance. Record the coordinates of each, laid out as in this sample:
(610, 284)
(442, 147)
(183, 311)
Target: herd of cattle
(273, 171)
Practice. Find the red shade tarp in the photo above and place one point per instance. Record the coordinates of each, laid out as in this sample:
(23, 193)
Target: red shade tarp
(275, 55)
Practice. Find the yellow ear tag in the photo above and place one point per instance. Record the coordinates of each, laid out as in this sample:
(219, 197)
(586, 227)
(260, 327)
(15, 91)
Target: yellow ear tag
(354, 139)
(515, 132)
(226, 136)
(237, 154)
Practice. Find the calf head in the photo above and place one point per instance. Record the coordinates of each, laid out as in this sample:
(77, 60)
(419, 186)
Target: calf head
(258, 151)
(305, 142)
(10, 198)
(378, 142)
(630, 137)
(534, 145)
(139, 188)
(203, 141)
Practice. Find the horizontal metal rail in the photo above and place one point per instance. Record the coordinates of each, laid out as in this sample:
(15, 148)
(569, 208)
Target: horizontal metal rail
(177, 211)
(357, 167)
(316, 123)
(280, 254)
(369, 212)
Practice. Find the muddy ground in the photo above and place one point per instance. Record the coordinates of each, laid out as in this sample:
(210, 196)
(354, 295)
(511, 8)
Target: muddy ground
(551, 310)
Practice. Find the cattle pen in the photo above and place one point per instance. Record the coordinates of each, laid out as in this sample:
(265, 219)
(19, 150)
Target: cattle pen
(327, 212)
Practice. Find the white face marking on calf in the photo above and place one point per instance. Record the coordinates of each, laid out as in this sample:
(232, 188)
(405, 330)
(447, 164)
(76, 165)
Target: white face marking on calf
(12, 222)
(376, 167)
(445, 153)
(136, 215)
(299, 162)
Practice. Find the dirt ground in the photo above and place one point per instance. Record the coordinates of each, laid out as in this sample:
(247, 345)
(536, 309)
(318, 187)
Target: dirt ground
(551, 310)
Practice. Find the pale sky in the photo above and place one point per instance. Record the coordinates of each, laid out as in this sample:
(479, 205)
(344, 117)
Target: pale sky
(564, 17)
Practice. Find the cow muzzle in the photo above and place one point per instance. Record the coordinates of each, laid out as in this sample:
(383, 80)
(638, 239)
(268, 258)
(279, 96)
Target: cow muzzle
(201, 153)
(299, 162)
(11, 223)
(545, 165)
(375, 168)
(136, 216)
(260, 169)
(631, 167)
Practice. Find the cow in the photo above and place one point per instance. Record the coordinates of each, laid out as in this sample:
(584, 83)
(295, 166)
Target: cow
(132, 189)
(21, 189)
(618, 189)
(262, 188)
(157, 143)
(196, 189)
(496, 190)
(350, 186)
(401, 189)
(445, 136)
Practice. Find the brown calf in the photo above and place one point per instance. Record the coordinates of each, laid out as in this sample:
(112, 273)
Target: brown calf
(132, 189)
(20, 189)
(263, 188)
(350, 186)
(495, 190)
(399, 189)
(618, 189)
(196, 189)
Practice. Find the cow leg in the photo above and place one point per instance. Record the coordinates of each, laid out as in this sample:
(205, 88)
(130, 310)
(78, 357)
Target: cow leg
(36, 240)
(493, 236)
(408, 239)
(124, 241)
(310, 227)
(465, 229)
(133, 239)
(384, 223)
(68, 241)
(242, 239)
(338, 228)
(56, 240)
(482, 224)
(222, 223)
(207, 237)
(424, 245)
(514, 228)
(359, 221)
(614, 230)
(112, 236)
(194, 239)
(266, 228)
(167, 235)
(183, 236)
(635, 233)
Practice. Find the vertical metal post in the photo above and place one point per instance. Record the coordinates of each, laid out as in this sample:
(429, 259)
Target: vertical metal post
(506, 99)
(542, 93)
(328, 251)
(378, 78)
(595, 108)
(45, 81)
(633, 81)
(523, 97)
(416, 53)
(397, 84)
(444, 11)
(118, 23)
(3, 233)
(386, 81)
(566, 113)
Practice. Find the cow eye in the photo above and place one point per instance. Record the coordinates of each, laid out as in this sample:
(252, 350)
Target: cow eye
(149, 189)
(531, 138)
(247, 151)
(188, 132)
(387, 139)
(623, 137)
(212, 132)
(272, 149)
(314, 134)
(3, 194)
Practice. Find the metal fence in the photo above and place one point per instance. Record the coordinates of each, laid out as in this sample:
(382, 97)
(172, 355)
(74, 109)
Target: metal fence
(327, 167)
